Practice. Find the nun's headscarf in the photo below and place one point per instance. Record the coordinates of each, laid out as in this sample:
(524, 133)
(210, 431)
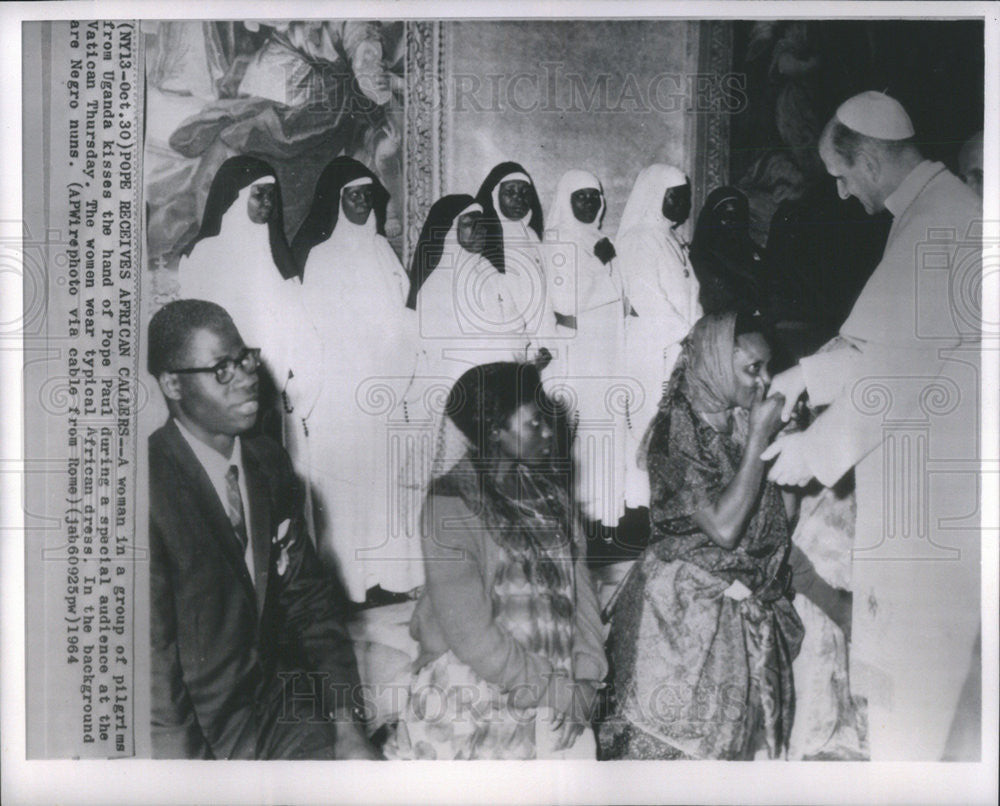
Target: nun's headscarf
(724, 258)
(325, 210)
(492, 218)
(439, 229)
(505, 171)
(708, 218)
(645, 204)
(561, 219)
(233, 177)
(236, 270)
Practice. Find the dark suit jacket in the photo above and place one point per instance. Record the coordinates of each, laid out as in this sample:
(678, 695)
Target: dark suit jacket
(218, 642)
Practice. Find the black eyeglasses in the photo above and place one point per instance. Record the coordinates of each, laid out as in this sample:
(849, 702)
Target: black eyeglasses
(225, 370)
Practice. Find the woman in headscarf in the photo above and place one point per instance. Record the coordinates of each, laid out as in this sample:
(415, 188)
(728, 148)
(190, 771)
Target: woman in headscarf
(589, 301)
(240, 259)
(353, 291)
(508, 624)
(513, 215)
(703, 632)
(728, 264)
(662, 291)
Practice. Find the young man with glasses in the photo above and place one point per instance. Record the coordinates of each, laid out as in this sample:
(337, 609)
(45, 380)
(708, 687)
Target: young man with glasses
(250, 655)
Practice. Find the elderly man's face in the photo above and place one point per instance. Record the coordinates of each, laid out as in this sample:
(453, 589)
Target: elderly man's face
(260, 205)
(852, 180)
(358, 201)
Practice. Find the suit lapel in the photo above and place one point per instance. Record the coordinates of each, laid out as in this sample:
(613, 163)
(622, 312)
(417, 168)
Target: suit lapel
(260, 523)
(218, 521)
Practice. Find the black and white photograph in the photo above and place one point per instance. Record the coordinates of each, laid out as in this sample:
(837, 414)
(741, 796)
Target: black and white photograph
(572, 384)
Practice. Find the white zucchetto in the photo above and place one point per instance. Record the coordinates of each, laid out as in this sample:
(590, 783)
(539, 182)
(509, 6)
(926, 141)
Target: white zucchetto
(875, 114)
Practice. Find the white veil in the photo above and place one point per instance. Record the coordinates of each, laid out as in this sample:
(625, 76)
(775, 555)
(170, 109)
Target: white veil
(560, 219)
(645, 204)
(437, 444)
(444, 308)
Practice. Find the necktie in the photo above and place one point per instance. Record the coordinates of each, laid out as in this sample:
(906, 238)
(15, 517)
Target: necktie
(234, 505)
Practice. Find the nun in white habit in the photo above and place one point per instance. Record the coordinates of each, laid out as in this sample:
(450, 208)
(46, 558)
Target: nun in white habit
(241, 259)
(353, 291)
(513, 214)
(463, 308)
(464, 314)
(464, 319)
(663, 292)
(588, 297)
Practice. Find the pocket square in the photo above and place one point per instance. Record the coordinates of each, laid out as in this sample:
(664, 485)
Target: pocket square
(282, 530)
(737, 591)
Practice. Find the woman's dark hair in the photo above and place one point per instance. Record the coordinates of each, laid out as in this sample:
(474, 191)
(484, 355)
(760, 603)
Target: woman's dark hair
(752, 322)
(485, 397)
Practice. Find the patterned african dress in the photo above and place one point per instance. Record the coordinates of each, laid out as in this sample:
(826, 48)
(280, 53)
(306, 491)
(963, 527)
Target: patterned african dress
(702, 638)
(538, 598)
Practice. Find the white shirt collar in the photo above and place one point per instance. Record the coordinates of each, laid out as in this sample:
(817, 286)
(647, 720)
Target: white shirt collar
(215, 464)
(908, 190)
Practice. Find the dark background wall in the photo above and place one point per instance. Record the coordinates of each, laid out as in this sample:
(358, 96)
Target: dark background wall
(798, 72)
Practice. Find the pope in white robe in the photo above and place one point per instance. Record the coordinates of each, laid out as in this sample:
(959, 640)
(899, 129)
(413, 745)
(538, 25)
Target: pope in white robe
(902, 390)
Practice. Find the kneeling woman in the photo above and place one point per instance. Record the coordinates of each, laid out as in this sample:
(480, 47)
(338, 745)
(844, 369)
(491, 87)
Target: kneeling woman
(703, 633)
(508, 625)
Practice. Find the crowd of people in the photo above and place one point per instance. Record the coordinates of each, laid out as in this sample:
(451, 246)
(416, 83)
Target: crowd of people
(546, 377)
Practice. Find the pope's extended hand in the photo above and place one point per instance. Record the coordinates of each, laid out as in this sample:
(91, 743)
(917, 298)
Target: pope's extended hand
(790, 469)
